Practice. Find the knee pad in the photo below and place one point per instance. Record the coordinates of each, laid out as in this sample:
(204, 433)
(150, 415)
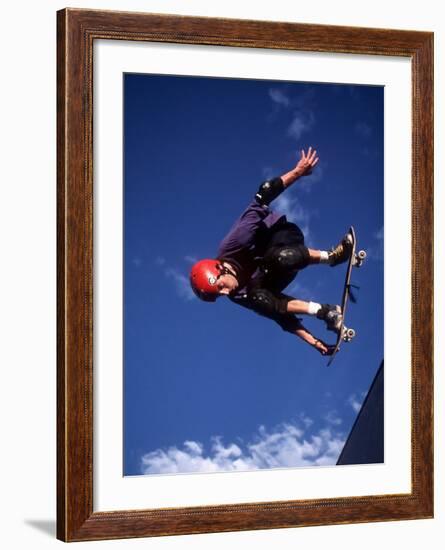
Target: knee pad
(289, 258)
(295, 257)
(269, 190)
(266, 303)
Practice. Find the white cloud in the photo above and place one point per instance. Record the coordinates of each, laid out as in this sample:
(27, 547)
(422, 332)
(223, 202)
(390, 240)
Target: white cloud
(288, 445)
(182, 284)
(302, 122)
(306, 420)
(356, 402)
(333, 418)
(303, 117)
(290, 205)
(190, 259)
(193, 447)
(180, 280)
(279, 97)
(379, 234)
(268, 172)
(376, 250)
(299, 109)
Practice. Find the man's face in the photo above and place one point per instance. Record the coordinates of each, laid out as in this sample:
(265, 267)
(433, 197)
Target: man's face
(226, 284)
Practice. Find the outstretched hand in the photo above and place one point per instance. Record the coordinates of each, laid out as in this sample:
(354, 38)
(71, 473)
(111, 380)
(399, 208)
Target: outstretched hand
(304, 167)
(307, 162)
(324, 349)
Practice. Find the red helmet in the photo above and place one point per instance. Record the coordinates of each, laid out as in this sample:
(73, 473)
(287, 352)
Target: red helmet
(203, 278)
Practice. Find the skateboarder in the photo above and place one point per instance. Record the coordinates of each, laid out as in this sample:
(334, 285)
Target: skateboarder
(260, 257)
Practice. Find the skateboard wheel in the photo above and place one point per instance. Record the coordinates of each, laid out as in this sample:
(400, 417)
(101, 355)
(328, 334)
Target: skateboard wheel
(350, 333)
(361, 255)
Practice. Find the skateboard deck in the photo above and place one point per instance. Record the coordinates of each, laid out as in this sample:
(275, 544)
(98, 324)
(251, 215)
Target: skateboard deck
(346, 334)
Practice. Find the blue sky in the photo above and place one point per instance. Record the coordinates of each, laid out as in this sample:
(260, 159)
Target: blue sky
(211, 387)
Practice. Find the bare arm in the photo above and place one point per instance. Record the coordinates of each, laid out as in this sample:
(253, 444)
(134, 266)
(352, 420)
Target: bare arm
(304, 167)
(319, 345)
(267, 304)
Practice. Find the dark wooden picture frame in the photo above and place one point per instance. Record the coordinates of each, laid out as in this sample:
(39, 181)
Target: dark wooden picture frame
(77, 31)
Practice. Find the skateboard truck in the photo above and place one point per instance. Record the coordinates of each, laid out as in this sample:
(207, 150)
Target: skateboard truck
(348, 334)
(359, 258)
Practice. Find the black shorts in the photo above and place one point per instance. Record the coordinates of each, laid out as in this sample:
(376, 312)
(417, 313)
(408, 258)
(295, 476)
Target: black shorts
(286, 236)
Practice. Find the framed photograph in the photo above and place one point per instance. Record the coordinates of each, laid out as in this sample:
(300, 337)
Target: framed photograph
(206, 164)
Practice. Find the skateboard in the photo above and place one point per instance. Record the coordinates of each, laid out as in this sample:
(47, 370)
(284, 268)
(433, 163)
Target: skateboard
(346, 334)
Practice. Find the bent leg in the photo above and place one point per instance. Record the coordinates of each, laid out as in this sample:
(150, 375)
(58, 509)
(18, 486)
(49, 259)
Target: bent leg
(301, 307)
(318, 256)
(326, 312)
(334, 256)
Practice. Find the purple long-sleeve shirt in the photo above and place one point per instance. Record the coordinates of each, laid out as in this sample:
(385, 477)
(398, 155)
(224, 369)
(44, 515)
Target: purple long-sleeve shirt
(244, 246)
(245, 242)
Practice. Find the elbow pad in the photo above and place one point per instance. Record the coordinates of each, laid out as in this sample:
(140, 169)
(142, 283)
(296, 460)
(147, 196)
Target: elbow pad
(269, 190)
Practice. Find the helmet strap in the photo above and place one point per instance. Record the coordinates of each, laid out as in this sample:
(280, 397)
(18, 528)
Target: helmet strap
(226, 271)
